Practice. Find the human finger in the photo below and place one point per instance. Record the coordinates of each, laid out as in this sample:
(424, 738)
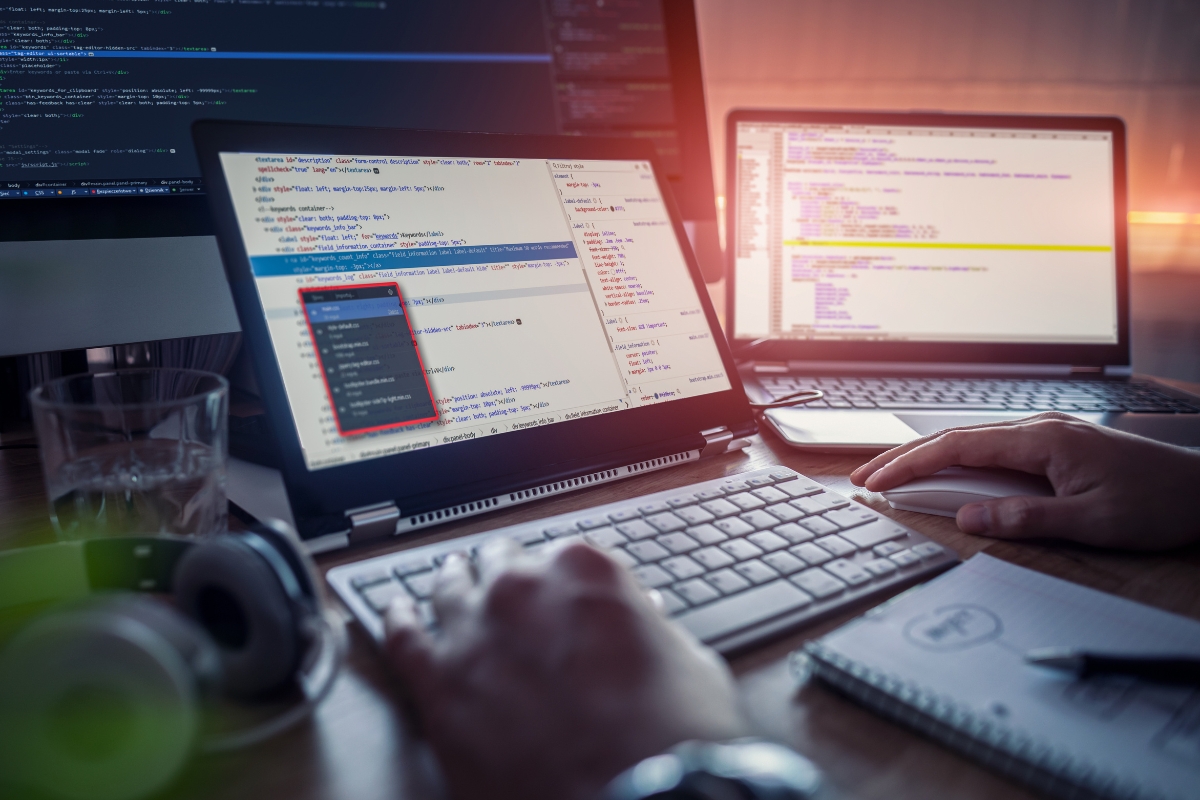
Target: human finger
(1017, 447)
(1029, 517)
(407, 645)
(859, 476)
(451, 588)
(496, 555)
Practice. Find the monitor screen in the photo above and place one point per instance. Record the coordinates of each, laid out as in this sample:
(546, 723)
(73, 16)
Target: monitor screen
(98, 97)
(850, 232)
(417, 302)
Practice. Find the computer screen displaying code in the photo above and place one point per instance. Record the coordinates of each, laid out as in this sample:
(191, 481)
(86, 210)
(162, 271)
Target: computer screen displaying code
(96, 97)
(536, 291)
(855, 232)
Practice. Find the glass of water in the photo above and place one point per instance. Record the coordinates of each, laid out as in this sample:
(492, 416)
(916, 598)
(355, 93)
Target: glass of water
(134, 452)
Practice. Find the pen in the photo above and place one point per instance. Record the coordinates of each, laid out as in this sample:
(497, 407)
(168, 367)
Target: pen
(1160, 669)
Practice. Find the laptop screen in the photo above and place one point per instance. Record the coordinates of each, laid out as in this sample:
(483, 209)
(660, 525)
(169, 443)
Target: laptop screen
(858, 232)
(416, 302)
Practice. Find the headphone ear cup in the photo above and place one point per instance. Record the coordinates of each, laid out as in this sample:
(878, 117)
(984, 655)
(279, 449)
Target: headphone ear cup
(229, 589)
(99, 701)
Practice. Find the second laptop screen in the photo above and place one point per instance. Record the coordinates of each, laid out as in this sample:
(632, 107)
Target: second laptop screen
(894, 233)
(528, 292)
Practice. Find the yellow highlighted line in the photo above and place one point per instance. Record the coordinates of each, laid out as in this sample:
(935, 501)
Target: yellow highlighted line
(1083, 248)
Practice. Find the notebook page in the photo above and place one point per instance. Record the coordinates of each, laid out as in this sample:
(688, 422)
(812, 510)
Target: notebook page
(963, 637)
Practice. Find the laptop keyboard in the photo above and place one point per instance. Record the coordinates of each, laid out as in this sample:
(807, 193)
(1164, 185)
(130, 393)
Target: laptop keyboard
(934, 394)
(734, 560)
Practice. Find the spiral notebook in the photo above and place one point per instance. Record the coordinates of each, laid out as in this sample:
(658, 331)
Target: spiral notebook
(947, 659)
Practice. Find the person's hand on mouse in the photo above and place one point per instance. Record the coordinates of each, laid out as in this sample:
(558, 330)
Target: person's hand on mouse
(551, 674)
(1112, 489)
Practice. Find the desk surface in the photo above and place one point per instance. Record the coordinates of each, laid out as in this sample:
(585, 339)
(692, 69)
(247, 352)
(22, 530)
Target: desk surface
(357, 746)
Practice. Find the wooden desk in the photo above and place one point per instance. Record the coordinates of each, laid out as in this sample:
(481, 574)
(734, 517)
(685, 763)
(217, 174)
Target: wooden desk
(357, 746)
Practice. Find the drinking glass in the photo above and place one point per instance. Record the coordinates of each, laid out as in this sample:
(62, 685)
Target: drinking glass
(134, 452)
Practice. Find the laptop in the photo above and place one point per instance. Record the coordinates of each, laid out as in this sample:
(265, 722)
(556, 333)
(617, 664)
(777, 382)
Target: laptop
(924, 271)
(444, 324)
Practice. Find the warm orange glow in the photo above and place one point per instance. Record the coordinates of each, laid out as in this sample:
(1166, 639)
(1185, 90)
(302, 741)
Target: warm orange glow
(1163, 218)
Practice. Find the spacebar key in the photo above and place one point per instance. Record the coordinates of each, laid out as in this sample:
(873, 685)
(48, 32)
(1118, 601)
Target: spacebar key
(743, 610)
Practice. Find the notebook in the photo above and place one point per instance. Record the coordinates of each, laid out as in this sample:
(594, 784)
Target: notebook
(947, 659)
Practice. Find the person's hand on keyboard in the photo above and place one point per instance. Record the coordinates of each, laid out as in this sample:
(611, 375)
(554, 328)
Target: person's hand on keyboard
(1112, 489)
(551, 673)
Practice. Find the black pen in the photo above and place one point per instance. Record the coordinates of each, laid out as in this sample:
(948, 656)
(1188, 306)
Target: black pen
(1160, 669)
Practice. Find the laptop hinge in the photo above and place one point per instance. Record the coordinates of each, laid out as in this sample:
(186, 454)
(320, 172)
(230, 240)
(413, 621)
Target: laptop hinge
(716, 441)
(376, 522)
(1118, 370)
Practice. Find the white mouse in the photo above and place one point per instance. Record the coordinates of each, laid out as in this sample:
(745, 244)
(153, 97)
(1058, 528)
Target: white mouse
(945, 492)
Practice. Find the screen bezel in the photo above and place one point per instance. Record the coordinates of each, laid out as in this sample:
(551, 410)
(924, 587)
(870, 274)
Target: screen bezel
(1092, 355)
(463, 471)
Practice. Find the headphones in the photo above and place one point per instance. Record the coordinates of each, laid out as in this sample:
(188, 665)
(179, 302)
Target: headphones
(103, 690)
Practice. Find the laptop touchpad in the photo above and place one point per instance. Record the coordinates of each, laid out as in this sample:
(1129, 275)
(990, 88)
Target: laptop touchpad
(841, 429)
(926, 424)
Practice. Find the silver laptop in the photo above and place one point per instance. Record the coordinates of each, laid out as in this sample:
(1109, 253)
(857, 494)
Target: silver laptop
(931, 270)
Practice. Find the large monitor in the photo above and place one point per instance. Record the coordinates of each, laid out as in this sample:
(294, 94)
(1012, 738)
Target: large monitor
(104, 229)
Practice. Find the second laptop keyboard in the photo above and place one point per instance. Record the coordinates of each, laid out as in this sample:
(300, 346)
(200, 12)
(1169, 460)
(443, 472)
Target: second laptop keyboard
(734, 560)
(935, 394)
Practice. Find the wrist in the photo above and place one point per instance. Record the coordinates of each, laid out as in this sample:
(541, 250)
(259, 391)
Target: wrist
(741, 769)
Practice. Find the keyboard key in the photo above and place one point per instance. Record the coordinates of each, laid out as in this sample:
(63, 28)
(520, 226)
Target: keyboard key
(381, 595)
(887, 548)
(782, 474)
(653, 508)
(812, 554)
(696, 592)
(710, 494)
(681, 500)
(647, 551)
(731, 487)
(760, 480)
(666, 522)
(411, 565)
(875, 533)
(848, 571)
(621, 557)
(652, 576)
(745, 501)
(851, 517)
(587, 523)
(529, 538)
(720, 508)
(727, 581)
(794, 533)
(734, 526)
(421, 584)
(366, 579)
(905, 558)
(761, 520)
(836, 545)
(769, 494)
(672, 605)
(819, 503)
(802, 487)
(637, 529)
(624, 515)
(928, 550)
(682, 567)
(786, 563)
(555, 531)
(712, 557)
(880, 567)
(740, 549)
(706, 534)
(755, 571)
(817, 582)
(732, 614)
(604, 538)
(694, 515)
(768, 541)
(678, 542)
(819, 525)
(783, 512)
